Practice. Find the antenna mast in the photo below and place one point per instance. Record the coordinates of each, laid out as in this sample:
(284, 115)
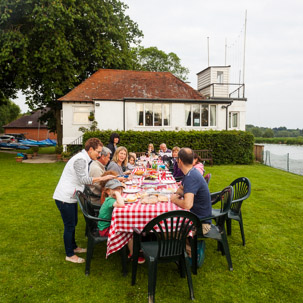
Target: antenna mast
(244, 46)
(208, 50)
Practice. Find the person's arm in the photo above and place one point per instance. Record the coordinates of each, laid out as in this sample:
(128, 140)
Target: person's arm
(186, 203)
(80, 170)
(119, 200)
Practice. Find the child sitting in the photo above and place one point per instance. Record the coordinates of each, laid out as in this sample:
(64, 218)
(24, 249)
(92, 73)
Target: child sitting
(131, 161)
(113, 192)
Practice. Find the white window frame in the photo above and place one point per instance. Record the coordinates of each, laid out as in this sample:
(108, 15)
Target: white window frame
(85, 110)
(162, 114)
(230, 120)
(209, 110)
(220, 77)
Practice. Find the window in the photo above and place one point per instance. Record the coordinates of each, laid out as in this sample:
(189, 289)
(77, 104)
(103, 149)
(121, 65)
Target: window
(153, 114)
(200, 115)
(80, 114)
(219, 77)
(233, 120)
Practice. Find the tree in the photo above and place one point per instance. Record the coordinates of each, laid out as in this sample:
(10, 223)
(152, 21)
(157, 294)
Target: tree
(269, 133)
(153, 59)
(50, 46)
(8, 113)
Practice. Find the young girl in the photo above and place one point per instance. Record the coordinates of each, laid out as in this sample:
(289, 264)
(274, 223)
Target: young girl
(113, 192)
(198, 164)
(131, 161)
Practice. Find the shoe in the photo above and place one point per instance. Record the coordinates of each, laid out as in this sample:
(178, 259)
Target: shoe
(141, 260)
(80, 250)
(201, 253)
(79, 260)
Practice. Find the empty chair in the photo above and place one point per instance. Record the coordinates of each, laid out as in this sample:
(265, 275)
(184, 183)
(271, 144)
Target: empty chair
(169, 231)
(242, 189)
(217, 231)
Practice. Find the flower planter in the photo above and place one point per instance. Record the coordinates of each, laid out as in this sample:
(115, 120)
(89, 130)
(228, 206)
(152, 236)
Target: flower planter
(29, 156)
(19, 159)
(65, 160)
(59, 157)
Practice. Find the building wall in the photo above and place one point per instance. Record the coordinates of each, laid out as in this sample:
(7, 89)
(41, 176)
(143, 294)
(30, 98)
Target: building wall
(33, 133)
(109, 115)
(70, 129)
(209, 76)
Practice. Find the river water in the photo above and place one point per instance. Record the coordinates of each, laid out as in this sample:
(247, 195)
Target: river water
(283, 156)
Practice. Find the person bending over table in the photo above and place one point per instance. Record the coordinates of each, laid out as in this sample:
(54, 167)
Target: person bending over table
(73, 178)
(113, 192)
(97, 169)
(119, 161)
(193, 193)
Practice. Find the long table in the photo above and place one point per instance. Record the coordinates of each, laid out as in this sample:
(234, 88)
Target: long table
(125, 219)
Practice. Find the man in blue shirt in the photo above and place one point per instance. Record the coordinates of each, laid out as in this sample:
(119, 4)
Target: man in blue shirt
(193, 193)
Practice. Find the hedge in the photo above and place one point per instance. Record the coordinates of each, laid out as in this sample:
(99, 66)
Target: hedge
(228, 147)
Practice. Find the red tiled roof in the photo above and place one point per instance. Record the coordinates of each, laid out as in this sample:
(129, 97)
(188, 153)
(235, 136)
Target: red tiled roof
(31, 121)
(111, 84)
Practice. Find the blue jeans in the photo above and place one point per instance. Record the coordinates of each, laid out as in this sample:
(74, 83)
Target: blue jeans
(69, 214)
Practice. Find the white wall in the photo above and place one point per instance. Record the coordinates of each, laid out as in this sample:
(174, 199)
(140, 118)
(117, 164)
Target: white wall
(71, 130)
(109, 115)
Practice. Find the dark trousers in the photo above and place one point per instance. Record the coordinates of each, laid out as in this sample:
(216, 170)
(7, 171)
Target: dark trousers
(69, 214)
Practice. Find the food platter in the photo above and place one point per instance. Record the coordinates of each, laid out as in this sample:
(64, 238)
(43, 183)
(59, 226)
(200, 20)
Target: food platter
(131, 190)
(168, 181)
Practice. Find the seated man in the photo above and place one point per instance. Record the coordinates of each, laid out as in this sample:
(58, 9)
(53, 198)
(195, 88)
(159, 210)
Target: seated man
(164, 152)
(97, 169)
(193, 193)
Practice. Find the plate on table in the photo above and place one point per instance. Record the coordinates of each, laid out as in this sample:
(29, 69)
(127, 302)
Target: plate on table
(168, 181)
(128, 183)
(131, 199)
(131, 190)
(168, 191)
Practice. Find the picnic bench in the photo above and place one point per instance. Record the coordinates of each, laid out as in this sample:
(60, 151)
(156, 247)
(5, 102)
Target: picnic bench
(205, 155)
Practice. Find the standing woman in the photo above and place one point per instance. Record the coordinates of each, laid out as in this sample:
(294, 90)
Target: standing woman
(119, 161)
(112, 145)
(73, 178)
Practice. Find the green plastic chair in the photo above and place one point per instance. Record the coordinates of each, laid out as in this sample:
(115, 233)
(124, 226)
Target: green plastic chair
(242, 189)
(93, 236)
(163, 239)
(217, 231)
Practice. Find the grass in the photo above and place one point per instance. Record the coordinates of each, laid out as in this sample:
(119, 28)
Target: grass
(33, 269)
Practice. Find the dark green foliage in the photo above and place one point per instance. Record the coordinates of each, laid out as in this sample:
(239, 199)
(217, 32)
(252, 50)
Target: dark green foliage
(9, 111)
(287, 140)
(229, 147)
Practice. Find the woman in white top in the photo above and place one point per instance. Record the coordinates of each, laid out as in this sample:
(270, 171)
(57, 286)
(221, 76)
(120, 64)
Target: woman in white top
(73, 178)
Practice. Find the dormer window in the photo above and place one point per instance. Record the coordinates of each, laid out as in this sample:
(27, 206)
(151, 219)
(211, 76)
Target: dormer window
(30, 122)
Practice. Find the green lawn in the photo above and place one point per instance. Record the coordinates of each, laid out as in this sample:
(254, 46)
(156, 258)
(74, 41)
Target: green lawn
(33, 269)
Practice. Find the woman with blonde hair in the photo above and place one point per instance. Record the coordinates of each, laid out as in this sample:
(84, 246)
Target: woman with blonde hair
(119, 161)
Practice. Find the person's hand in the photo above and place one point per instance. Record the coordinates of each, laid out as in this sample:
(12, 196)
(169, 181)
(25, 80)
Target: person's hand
(174, 197)
(108, 177)
(121, 179)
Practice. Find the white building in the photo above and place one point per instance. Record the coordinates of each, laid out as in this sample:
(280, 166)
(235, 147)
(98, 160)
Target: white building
(141, 100)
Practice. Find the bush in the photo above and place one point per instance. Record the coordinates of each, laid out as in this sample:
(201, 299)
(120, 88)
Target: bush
(228, 147)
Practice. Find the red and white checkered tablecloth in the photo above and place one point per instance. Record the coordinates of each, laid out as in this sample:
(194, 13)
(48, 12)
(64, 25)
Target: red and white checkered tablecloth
(132, 215)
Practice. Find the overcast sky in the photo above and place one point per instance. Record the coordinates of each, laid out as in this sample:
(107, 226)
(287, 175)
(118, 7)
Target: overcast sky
(274, 47)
